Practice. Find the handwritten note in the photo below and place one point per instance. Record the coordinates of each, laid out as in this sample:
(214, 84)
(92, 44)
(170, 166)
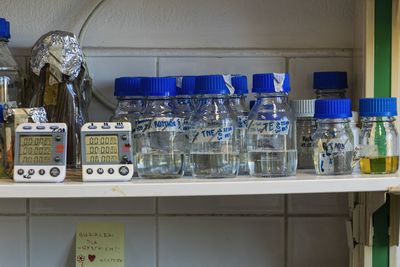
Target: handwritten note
(100, 245)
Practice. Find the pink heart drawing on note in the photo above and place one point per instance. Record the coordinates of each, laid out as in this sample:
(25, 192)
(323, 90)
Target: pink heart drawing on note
(91, 257)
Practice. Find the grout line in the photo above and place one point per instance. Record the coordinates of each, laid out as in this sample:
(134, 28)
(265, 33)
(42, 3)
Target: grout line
(28, 233)
(157, 244)
(286, 228)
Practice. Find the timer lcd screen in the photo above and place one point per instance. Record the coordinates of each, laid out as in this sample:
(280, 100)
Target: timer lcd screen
(35, 149)
(101, 149)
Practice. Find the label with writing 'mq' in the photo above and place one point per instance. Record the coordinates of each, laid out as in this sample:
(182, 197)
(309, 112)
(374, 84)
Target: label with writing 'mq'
(269, 127)
(216, 134)
(159, 125)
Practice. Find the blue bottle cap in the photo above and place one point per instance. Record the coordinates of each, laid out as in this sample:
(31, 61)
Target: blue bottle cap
(1, 113)
(251, 104)
(159, 86)
(271, 83)
(211, 84)
(239, 82)
(330, 80)
(378, 107)
(4, 28)
(185, 85)
(332, 108)
(127, 86)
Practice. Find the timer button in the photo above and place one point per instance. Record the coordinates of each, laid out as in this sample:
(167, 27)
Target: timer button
(26, 127)
(31, 171)
(105, 127)
(58, 138)
(123, 171)
(41, 172)
(20, 171)
(119, 126)
(124, 137)
(54, 172)
(40, 127)
(92, 127)
(89, 171)
(57, 159)
(54, 127)
(100, 171)
(125, 157)
(110, 170)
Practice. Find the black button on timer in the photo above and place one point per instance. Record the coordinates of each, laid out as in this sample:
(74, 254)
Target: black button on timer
(123, 170)
(54, 172)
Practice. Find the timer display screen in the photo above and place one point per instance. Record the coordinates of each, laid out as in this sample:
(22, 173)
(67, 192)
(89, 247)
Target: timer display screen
(35, 149)
(101, 149)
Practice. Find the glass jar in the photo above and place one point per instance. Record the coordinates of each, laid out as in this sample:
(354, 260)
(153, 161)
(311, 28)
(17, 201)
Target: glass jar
(330, 84)
(10, 81)
(306, 126)
(238, 105)
(379, 151)
(159, 135)
(333, 139)
(271, 142)
(184, 102)
(214, 152)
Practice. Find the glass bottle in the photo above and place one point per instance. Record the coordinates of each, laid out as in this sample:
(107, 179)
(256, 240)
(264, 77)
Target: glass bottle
(185, 86)
(238, 105)
(159, 135)
(330, 84)
(214, 152)
(306, 126)
(271, 142)
(356, 135)
(379, 148)
(10, 81)
(333, 139)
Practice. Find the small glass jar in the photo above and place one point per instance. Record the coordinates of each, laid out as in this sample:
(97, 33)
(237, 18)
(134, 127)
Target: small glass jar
(214, 151)
(306, 126)
(271, 142)
(379, 151)
(333, 139)
(330, 84)
(238, 105)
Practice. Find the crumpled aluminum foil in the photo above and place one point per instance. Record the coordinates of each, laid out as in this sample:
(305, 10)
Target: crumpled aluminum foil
(62, 51)
(37, 115)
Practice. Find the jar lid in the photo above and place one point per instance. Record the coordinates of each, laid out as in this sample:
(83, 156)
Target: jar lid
(271, 83)
(4, 28)
(251, 104)
(159, 86)
(330, 80)
(212, 84)
(303, 108)
(332, 108)
(378, 107)
(239, 82)
(185, 85)
(127, 86)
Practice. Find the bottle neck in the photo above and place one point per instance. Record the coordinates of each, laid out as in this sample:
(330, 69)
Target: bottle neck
(237, 99)
(378, 119)
(273, 97)
(337, 123)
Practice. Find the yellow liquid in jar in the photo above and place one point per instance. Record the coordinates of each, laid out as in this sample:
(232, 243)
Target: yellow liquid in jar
(380, 165)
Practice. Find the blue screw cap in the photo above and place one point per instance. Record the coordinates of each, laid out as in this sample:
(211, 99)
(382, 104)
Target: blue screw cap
(4, 29)
(185, 85)
(332, 108)
(211, 84)
(127, 86)
(159, 86)
(239, 82)
(271, 83)
(328, 80)
(378, 107)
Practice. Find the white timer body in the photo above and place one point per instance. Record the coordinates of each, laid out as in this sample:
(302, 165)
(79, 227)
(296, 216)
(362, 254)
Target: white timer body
(107, 151)
(40, 152)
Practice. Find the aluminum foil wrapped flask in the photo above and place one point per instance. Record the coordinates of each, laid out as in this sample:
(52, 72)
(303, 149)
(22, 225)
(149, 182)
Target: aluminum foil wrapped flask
(62, 85)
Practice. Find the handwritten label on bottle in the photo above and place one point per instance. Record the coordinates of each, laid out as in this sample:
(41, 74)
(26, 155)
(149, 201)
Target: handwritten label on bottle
(270, 127)
(208, 135)
(241, 122)
(306, 141)
(159, 125)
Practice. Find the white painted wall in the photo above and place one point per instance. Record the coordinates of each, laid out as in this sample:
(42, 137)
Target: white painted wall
(189, 37)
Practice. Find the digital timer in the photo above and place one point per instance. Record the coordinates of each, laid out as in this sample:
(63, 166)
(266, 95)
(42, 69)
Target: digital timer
(40, 152)
(107, 153)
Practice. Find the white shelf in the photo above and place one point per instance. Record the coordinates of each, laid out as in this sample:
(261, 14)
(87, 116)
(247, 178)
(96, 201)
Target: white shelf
(304, 182)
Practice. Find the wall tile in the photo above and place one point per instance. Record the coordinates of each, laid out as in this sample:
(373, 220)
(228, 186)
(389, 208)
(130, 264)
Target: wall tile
(104, 70)
(318, 204)
(52, 240)
(13, 241)
(316, 242)
(221, 241)
(93, 206)
(301, 73)
(12, 206)
(222, 205)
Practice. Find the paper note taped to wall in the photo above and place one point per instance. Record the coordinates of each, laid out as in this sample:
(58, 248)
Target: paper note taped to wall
(100, 245)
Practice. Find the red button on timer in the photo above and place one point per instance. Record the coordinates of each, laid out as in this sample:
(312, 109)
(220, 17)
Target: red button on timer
(60, 148)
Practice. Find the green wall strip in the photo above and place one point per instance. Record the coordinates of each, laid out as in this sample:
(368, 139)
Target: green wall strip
(383, 48)
(380, 248)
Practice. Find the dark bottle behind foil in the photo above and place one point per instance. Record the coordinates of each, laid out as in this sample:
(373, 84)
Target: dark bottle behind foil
(61, 84)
